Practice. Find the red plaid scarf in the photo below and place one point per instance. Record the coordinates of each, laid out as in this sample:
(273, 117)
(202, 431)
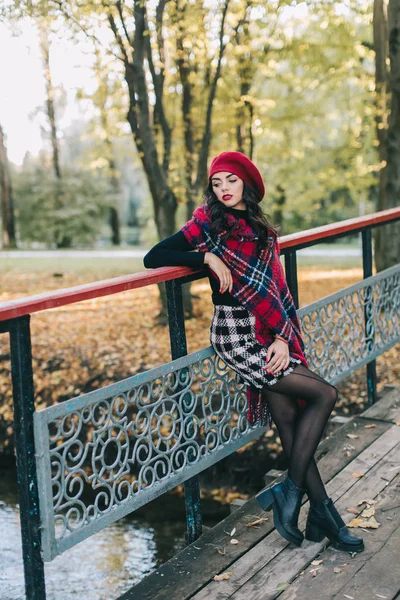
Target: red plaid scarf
(259, 284)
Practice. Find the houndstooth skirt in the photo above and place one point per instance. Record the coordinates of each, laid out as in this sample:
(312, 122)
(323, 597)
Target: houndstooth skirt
(232, 335)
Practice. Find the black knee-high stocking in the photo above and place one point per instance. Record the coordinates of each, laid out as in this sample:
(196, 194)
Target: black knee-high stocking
(301, 440)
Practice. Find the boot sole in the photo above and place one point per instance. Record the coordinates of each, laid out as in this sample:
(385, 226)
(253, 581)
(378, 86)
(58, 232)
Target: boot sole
(267, 501)
(316, 534)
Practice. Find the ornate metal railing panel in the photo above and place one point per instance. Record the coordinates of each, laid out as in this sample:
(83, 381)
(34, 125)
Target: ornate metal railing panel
(346, 330)
(102, 455)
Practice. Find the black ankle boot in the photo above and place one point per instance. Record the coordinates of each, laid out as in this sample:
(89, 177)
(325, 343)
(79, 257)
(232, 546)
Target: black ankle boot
(285, 499)
(323, 520)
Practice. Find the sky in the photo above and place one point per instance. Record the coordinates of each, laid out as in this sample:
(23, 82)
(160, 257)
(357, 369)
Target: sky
(22, 85)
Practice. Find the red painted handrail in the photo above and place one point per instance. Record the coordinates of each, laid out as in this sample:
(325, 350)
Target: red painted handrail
(106, 287)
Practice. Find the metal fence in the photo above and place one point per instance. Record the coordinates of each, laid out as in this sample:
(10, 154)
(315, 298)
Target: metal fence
(104, 454)
(88, 461)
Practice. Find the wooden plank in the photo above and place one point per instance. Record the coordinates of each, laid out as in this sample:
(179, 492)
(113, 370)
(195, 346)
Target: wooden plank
(186, 572)
(195, 565)
(289, 564)
(387, 408)
(327, 584)
(182, 577)
(331, 455)
(273, 559)
(381, 575)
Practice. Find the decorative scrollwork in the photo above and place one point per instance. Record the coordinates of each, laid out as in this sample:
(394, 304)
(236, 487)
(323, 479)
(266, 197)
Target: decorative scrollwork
(113, 449)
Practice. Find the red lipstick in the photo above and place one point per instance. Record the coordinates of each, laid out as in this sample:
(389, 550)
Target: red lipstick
(227, 197)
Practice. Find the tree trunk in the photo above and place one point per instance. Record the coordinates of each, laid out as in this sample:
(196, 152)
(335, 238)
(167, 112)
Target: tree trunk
(113, 214)
(6, 199)
(139, 118)
(50, 108)
(386, 41)
(246, 70)
(145, 124)
(194, 181)
(100, 100)
(61, 239)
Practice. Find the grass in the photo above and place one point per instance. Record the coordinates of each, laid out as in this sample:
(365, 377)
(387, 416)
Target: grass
(99, 268)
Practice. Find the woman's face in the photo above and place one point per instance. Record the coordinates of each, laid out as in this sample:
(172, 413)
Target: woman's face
(229, 189)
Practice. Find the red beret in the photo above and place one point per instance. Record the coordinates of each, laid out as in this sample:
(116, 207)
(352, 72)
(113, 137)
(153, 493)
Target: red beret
(239, 164)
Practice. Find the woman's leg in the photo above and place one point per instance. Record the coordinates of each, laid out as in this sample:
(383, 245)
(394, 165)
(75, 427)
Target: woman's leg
(285, 412)
(320, 397)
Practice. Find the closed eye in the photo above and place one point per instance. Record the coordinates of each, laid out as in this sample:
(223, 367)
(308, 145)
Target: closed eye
(230, 181)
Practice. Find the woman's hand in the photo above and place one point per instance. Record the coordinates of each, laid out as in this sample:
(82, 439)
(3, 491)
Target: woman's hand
(280, 359)
(221, 270)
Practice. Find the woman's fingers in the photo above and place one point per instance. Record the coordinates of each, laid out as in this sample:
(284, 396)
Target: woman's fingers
(226, 282)
(277, 363)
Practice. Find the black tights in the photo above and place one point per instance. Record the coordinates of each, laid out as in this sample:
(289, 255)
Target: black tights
(300, 429)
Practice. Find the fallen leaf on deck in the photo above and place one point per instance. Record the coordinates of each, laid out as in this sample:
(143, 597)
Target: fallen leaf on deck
(368, 512)
(357, 475)
(233, 541)
(337, 570)
(398, 422)
(233, 530)
(313, 572)
(371, 523)
(369, 426)
(353, 436)
(353, 510)
(347, 596)
(257, 522)
(222, 576)
(367, 501)
(317, 562)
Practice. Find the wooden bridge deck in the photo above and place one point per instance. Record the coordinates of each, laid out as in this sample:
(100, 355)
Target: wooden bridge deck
(262, 565)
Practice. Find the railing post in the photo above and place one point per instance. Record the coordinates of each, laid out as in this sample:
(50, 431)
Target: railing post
(291, 275)
(179, 348)
(369, 313)
(24, 407)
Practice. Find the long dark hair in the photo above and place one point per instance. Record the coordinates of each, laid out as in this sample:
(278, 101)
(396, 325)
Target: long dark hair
(257, 219)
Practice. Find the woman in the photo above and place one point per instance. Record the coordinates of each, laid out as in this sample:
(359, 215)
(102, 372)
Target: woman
(256, 332)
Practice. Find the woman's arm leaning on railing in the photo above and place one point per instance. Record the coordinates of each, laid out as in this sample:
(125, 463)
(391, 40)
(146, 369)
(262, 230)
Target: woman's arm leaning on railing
(173, 251)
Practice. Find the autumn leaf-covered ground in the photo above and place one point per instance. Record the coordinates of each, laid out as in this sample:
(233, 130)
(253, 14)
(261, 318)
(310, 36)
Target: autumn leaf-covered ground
(85, 346)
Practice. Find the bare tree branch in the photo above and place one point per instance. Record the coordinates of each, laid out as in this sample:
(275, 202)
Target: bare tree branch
(60, 4)
(121, 16)
(202, 162)
(158, 82)
(117, 36)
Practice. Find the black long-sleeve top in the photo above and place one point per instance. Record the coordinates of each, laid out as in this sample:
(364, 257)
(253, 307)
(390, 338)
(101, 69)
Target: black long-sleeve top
(175, 251)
